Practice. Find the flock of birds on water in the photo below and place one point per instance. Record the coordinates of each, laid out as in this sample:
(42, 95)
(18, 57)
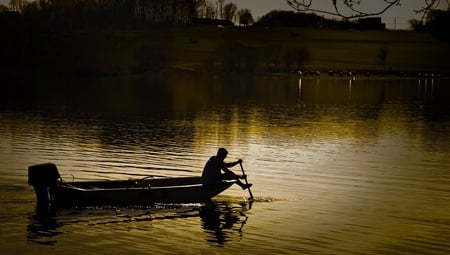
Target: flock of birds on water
(420, 75)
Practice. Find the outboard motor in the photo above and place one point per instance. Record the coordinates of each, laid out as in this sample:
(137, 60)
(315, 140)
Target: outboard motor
(43, 178)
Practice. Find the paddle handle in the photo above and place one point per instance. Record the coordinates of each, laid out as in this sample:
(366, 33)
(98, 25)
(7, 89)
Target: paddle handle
(246, 182)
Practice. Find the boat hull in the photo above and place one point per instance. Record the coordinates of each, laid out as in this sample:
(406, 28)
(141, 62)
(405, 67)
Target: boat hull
(137, 192)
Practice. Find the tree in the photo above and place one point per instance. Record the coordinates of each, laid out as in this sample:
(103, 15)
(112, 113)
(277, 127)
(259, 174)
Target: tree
(383, 52)
(351, 9)
(301, 56)
(245, 17)
(220, 4)
(3, 8)
(200, 6)
(229, 10)
(429, 6)
(16, 5)
(437, 23)
(210, 11)
(204, 9)
(416, 25)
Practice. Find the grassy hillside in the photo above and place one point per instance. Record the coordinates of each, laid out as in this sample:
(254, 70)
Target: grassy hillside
(210, 48)
(329, 49)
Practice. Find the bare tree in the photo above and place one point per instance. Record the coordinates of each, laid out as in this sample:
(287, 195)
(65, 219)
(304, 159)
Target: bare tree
(229, 10)
(205, 9)
(430, 5)
(351, 9)
(220, 4)
(3, 8)
(16, 5)
(210, 11)
(200, 7)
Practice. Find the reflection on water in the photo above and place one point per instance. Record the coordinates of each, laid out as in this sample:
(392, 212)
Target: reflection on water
(339, 166)
(433, 92)
(42, 229)
(221, 220)
(218, 218)
(183, 95)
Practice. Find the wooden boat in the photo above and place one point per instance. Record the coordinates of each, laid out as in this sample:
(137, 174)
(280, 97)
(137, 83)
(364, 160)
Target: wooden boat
(50, 189)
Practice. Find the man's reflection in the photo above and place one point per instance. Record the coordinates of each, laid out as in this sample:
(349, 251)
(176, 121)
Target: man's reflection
(217, 218)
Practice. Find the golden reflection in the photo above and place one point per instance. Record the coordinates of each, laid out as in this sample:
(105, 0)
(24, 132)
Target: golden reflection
(221, 222)
(342, 172)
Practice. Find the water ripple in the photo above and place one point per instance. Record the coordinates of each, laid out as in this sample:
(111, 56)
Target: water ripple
(329, 178)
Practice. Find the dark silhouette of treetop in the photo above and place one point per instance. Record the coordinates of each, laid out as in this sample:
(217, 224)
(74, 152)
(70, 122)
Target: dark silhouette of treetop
(245, 17)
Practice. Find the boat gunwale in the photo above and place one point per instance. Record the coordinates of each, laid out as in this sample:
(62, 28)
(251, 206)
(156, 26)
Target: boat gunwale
(73, 186)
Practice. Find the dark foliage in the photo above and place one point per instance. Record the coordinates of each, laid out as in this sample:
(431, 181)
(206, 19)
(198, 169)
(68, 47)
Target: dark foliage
(109, 14)
(294, 19)
(438, 23)
(40, 35)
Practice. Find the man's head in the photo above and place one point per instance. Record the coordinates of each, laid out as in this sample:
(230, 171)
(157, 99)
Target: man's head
(222, 153)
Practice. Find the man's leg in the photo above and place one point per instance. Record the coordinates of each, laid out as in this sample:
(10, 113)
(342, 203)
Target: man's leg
(233, 176)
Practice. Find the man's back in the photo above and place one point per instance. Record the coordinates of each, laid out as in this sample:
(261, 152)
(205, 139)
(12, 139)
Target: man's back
(212, 171)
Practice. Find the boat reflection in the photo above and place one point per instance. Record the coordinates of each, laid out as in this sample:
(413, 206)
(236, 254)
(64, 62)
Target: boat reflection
(42, 227)
(221, 221)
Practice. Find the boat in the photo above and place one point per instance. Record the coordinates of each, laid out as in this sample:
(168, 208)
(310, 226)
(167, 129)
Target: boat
(51, 190)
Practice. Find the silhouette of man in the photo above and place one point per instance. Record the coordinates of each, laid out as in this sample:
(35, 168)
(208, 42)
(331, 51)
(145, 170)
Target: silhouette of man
(212, 172)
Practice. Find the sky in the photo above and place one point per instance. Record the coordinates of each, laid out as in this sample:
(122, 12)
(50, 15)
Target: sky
(395, 18)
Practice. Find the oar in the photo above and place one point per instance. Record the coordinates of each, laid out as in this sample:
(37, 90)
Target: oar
(246, 182)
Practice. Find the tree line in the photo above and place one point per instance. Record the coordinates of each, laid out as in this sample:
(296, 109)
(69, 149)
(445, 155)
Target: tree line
(73, 14)
(437, 22)
(220, 9)
(298, 19)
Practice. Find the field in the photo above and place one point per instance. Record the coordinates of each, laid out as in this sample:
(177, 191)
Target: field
(211, 49)
(329, 49)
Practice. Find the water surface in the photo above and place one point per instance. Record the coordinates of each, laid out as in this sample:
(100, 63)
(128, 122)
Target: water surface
(339, 166)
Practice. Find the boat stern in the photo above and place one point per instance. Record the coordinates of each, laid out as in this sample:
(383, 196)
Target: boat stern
(43, 178)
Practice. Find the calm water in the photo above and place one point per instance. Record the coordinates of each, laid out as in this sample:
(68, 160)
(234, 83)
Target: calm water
(339, 166)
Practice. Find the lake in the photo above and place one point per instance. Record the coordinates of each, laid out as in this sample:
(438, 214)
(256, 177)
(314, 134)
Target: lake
(339, 165)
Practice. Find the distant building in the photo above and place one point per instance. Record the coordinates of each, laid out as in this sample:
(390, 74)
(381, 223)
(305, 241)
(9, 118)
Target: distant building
(371, 23)
(215, 22)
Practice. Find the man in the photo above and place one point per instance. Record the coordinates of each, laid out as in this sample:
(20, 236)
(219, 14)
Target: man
(212, 172)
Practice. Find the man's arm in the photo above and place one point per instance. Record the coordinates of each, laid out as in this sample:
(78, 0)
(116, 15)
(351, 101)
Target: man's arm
(231, 164)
